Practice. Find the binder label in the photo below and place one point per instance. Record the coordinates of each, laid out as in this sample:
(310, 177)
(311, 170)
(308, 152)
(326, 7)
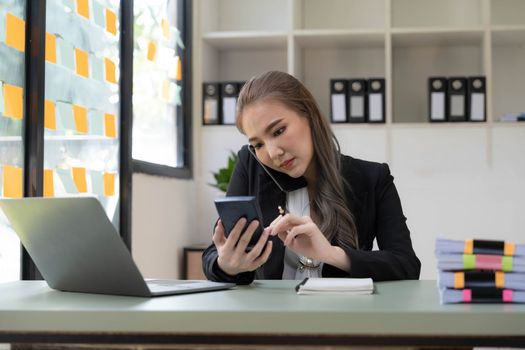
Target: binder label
(338, 108)
(438, 106)
(375, 105)
(477, 106)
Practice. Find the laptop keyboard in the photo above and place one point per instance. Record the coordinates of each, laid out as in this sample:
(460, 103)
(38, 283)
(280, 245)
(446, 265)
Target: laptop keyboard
(166, 285)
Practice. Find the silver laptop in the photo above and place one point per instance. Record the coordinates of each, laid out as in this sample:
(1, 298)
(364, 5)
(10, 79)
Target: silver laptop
(77, 249)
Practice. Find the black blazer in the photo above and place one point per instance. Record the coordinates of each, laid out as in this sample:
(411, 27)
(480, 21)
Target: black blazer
(373, 200)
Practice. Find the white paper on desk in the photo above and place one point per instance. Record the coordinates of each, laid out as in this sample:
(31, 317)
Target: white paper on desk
(336, 285)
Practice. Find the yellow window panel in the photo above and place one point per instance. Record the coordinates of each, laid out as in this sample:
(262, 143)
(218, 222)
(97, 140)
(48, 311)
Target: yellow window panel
(111, 22)
(152, 51)
(13, 101)
(82, 65)
(165, 28)
(109, 184)
(13, 178)
(110, 70)
(49, 187)
(15, 35)
(51, 48)
(178, 64)
(80, 116)
(83, 8)
(50, 115)
(79, 177)
(109, 122)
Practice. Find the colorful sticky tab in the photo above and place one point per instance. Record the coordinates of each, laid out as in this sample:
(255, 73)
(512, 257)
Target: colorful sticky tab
(96, 122)
(178, 65)
(459, 280)
(15, 34)
(67, 180)
(152, 51)
(83, 8)
(500, 279)
(469, 246)
(110, 70)
(507, 263)
(508, 295)
(97, 68)
(82, 65)
(51, 48)
(79, 177)
(109, 184)
(110, 125)
(509, 249)
(66, 54)
(49, 187)
(111, 22)
(13, 101)
(13, 177)
(50, 119)
(469, 261)
(165, 28)
(80, 116)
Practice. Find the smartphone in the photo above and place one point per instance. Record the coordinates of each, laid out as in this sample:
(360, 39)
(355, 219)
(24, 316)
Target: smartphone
(231, 209)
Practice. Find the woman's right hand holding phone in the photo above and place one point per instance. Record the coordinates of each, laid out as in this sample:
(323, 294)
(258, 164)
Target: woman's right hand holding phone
(233, 257)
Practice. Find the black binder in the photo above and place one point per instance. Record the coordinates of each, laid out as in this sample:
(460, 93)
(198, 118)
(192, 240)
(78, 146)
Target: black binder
(376, 100)
(211, 103)
(229, 94)
(338, 100)
(437, 99)
(457, 99)
(477, 104)
(357, 101)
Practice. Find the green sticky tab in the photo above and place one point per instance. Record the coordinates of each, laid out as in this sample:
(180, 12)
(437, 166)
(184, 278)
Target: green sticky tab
(469, 261)
(506, 263)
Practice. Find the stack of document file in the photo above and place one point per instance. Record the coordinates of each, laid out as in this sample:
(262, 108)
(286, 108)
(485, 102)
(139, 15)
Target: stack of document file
(335, 285)
(480, 271)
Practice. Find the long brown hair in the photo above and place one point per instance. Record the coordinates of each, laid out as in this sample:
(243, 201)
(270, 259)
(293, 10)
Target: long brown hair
(335, 218)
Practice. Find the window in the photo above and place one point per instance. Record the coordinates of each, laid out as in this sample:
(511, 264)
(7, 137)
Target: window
(161, 88)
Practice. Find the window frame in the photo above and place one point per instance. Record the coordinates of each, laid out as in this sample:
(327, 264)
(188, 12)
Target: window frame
(184, 132)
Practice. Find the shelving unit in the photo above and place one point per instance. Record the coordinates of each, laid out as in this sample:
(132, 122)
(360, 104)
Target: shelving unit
(405, 41)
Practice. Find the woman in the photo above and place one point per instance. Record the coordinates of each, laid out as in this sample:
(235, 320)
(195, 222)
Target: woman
(335, 205)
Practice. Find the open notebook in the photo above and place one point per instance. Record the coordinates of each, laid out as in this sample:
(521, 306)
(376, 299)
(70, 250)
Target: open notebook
(335, 285)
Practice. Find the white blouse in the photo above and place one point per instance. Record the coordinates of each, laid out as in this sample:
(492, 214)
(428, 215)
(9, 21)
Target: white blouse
(298, 203)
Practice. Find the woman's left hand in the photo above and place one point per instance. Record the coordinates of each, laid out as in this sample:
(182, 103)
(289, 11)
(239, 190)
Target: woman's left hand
(302, 235)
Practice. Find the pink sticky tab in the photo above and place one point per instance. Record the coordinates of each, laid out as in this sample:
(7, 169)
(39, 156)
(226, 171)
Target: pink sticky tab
(467, 295)
(507, 296)
(488, 262)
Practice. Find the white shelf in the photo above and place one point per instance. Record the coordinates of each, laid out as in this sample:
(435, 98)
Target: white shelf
(333, 38)
(436, 36)
(246, 40)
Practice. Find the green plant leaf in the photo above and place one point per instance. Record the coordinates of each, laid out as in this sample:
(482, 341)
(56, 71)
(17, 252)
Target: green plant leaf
(223, 175)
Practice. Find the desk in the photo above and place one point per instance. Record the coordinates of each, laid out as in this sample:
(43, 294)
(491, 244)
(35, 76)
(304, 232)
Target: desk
(404, 313)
